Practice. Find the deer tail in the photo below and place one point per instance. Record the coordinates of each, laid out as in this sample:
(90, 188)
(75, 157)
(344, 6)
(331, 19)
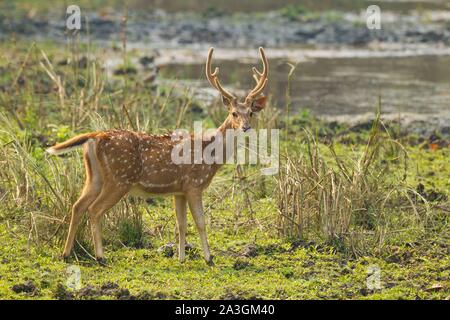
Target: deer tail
(70, 144)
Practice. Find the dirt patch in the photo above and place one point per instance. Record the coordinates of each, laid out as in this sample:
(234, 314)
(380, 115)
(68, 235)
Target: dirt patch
(145, 295)
(431, 195)
(167, 250)
(125, 71)
(123, 294)
(239, 295)
(249, 251)
(62, 293)
(88, 292)
(299, 244)
(401, 258)
(272, 249)
(240, 264)
(27, 287)
(109, 289)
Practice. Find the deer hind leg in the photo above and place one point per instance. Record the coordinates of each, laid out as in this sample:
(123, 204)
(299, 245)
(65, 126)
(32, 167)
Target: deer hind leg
(90, 192)
(196, 207)
(181, 211)
(109, 196)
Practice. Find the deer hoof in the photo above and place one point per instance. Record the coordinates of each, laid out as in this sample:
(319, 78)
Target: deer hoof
(210, 262)
(102, 262)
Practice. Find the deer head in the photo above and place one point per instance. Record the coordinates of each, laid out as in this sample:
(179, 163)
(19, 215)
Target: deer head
(241, 110)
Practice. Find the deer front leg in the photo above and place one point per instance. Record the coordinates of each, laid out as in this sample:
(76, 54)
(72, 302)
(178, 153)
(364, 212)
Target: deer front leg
(196, 207)
(181, 211)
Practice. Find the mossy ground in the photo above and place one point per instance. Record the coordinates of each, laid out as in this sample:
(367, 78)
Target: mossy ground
(251, 261)
(245, 268)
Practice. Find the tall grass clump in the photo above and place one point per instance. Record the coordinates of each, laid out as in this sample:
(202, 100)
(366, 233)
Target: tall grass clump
(46, 97)
(355, 202)
(37, 193)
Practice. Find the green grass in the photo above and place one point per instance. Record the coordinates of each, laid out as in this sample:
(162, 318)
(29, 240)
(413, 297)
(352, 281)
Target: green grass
(276, 272)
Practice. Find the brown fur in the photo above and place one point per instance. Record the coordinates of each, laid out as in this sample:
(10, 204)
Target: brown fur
(71, 143)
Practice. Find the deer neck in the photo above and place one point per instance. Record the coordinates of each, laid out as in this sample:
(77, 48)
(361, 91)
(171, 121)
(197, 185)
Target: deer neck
(225, 126)
(223, 129)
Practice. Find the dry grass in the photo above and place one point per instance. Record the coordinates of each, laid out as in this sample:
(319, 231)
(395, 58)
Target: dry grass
(354, 202)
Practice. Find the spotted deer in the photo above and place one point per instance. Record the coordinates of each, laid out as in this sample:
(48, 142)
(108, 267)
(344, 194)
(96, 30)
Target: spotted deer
(119, 162)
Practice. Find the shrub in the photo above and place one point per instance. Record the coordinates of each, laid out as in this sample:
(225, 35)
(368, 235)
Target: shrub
(350, 203)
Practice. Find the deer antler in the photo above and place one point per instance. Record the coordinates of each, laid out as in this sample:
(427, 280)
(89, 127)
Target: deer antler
(260, 77)
(212, 77)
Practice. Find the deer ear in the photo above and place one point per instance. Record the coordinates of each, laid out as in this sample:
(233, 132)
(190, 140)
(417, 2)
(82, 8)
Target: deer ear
(259, 104)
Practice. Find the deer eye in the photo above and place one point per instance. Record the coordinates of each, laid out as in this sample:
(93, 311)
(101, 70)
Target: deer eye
(234, 114)
(251, 114)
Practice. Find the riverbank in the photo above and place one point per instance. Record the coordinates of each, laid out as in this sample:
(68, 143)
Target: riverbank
(279, 28)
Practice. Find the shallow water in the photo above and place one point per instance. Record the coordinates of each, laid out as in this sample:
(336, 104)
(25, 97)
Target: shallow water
(346, 86)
